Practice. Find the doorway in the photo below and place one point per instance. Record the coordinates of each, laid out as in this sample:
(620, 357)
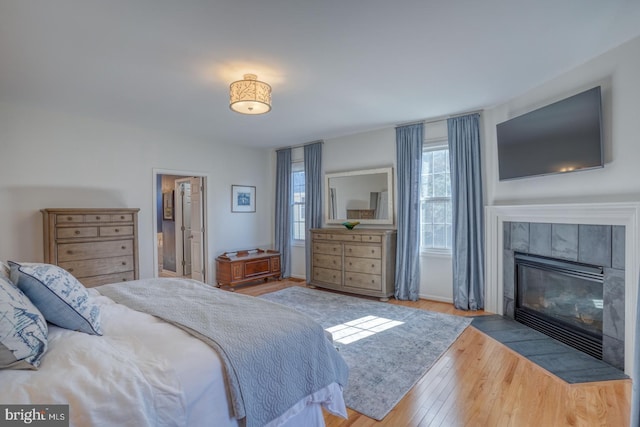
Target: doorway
(181, 222)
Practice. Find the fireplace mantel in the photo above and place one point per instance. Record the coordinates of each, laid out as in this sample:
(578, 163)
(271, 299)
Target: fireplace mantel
(625, 213)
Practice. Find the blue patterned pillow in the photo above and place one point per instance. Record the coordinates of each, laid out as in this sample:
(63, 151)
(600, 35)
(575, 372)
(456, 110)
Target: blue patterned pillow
(58, 295)
(23, 330)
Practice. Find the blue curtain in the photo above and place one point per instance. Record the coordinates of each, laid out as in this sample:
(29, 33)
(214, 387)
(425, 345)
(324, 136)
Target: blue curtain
(409, 168)
(284, 210)
(467, 212)
(312, 196)
(635, 375)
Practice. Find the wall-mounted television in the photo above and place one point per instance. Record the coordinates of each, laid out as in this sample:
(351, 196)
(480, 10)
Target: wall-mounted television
(565, 136)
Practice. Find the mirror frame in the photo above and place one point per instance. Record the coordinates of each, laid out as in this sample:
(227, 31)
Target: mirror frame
(390, 202)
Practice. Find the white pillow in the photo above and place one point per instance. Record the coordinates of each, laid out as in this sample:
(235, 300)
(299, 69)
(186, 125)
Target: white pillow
(23, 330)
(58, 295)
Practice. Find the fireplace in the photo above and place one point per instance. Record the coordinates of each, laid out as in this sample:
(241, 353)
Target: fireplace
(562, 299)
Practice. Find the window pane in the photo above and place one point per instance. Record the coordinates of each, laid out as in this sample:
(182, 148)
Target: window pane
(435, 188)
(439, 161)
(439, 236)
(440, 185)
(298, 226)
(439, 213)
(427, 235)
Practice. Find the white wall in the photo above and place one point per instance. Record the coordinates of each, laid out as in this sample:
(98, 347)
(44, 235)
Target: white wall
(51, 159)
(373, 150)
(617, 73)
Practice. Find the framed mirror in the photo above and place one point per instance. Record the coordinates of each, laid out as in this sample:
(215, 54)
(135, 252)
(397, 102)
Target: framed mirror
(362, 195)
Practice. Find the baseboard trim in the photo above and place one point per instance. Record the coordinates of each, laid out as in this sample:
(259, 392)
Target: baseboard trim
(436, 298)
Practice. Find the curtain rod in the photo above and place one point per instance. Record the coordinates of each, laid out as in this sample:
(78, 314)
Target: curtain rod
(300, 145)
(439, 119)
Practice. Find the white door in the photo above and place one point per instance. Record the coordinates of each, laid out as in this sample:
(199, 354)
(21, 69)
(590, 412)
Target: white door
(183, 226)
(197, 230)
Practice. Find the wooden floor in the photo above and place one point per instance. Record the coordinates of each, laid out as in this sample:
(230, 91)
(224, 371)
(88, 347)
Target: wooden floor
(480, 382)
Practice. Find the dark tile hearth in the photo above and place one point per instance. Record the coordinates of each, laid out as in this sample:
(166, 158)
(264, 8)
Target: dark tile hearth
(563, 361)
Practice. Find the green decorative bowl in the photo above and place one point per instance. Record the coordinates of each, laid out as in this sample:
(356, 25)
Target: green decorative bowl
(350, 225)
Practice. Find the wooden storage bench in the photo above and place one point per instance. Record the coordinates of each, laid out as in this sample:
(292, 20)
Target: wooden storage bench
(234, 268)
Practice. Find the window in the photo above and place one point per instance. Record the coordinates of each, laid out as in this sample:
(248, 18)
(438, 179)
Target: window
(297, 183)
(435, 199)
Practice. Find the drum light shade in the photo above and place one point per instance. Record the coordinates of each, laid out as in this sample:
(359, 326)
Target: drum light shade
(250, 96)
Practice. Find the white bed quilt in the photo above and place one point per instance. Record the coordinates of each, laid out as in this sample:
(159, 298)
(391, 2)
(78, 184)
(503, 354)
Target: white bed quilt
(100, 377)
(141, 372)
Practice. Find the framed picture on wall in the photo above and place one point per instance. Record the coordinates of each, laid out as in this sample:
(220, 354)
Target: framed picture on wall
(243, 198)
(167, 205)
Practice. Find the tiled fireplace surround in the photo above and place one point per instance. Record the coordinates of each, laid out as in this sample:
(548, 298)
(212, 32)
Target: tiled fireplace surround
(601, 245)
(603, 234)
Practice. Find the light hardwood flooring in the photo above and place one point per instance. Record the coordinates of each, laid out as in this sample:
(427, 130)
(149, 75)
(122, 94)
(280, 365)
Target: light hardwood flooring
(480, 382)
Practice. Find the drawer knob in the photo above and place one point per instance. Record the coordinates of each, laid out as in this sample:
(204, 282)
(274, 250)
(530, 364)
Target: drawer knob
(77, 232)
(69, 252)
(349, 249)
(70, 270)
(97, 217)
(372, 251)
(373, 281)
(69, 218)
(117, 230)
(372, 265)
(350, 264)
(123, 247)
(121, 216)
(124, 279)
(124, 263)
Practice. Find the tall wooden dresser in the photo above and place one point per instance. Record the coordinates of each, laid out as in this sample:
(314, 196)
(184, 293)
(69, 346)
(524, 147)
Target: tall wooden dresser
(97, 246)
(357, 261)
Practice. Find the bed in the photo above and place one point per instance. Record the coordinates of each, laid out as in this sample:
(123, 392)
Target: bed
(144, 371)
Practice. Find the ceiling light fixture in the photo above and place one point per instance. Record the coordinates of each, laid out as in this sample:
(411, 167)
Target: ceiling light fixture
(250, 96)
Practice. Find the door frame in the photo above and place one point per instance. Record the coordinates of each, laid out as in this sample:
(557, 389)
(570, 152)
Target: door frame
(205, 220)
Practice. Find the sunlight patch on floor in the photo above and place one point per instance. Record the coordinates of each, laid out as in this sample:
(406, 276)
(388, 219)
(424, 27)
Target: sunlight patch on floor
(354, 330)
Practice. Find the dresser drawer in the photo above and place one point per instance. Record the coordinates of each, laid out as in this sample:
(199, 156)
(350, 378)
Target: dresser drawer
(100, 266)
(327, 248)
(71, 232)
(66, 219)
(363, 265)
(118, 230)
(97, 217)
(327, 261)
(345, 237)
(327, 275)
(121, 217)
(90, 250)
(363, 281)
(363, 251)
(371, 239)
(90, 282)
(320, 236)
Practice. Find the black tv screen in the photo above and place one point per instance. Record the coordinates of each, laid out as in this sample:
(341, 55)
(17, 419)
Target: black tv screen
(565, 136)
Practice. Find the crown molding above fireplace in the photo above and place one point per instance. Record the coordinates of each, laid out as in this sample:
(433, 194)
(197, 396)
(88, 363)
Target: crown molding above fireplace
(626, 214)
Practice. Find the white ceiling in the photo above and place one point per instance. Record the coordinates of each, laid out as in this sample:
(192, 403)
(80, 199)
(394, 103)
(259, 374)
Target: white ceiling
(337, 67)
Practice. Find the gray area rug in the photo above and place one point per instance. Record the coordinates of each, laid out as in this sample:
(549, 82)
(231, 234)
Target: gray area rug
(383, 366)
